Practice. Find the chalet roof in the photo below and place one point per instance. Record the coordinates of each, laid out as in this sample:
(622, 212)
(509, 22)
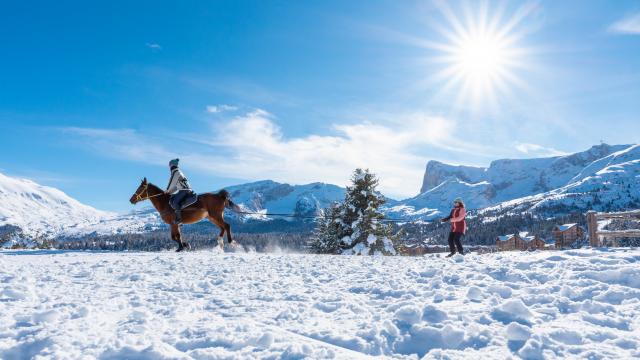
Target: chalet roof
(565, 227)
(506, 237)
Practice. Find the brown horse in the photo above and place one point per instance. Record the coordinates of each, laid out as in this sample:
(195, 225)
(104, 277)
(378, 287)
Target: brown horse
(208, 205)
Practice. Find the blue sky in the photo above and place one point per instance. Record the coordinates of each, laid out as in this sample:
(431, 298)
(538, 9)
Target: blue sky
(95, 96)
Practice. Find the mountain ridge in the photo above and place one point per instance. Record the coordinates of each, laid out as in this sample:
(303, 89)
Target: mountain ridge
(509, 181)
(604, 177)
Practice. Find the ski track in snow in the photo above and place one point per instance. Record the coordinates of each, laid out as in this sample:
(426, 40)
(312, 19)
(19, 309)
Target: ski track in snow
(213, 305)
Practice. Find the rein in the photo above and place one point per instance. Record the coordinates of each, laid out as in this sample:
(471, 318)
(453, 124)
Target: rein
(139, 196)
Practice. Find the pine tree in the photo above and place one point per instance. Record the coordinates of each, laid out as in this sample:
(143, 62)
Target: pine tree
(355, 226)
(329, 231)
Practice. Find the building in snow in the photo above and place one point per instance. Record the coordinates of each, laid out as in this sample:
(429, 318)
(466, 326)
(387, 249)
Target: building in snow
(534, 242)
(510, 242)
(520, 241)
(566, 235)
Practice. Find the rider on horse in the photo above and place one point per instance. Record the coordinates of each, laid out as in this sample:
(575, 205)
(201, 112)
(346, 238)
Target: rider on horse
(180, 191)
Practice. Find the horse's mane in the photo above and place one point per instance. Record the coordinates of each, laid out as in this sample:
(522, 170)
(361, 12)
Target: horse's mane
(155, 187)
(223, 194)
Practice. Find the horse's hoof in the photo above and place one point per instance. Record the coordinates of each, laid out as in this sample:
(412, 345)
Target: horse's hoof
(179, 249)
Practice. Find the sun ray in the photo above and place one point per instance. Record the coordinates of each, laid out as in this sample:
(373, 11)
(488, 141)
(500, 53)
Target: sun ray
(480, 54)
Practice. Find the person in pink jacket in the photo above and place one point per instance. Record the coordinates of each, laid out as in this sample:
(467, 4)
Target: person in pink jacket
(458, 226)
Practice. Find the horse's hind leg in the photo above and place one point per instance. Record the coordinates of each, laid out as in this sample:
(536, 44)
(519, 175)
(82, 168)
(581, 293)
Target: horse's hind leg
(222, 230)
(228, 228)
(224, 226)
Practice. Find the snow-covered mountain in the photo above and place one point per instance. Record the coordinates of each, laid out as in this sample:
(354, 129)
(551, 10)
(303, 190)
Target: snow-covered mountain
(41, 209)
(606, 184)
(273, 197)
(31, 210)
(604, 176)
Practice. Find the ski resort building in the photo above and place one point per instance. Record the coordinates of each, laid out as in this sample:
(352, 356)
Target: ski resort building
(566, 235)
(510, 242)
(520, 241)
(534, 242)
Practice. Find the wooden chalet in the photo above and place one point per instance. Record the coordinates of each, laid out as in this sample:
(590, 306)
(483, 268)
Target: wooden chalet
(510, 242)
(566, 235)
(534, 242)
(520, 241)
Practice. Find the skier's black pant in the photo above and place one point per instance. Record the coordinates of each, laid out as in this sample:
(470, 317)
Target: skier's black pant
(455, 241)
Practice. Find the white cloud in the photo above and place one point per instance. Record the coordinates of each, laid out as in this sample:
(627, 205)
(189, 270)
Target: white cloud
(253, 147)
(537, 150)
(154, 46)
(627, 25)
(215, 109)
(257, 149)
(122, 144)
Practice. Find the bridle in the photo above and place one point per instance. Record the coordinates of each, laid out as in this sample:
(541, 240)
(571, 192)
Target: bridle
(139, 196)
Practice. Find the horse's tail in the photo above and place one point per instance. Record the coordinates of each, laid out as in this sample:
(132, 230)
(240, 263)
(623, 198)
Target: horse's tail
(227, 201)
(233, 206)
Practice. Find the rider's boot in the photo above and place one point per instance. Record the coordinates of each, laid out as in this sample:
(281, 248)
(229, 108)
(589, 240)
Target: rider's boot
(177, 217)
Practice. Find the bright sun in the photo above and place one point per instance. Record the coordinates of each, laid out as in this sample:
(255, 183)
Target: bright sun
(481, 56)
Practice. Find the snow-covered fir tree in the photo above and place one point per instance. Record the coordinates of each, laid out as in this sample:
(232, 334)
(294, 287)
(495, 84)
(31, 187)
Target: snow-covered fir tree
(355, 226)
(329, 230)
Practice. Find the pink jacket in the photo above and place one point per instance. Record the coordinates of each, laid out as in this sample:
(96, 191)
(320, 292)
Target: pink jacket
(456, 217)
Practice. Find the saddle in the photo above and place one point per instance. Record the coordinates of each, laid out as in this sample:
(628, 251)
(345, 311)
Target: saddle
(190, 200)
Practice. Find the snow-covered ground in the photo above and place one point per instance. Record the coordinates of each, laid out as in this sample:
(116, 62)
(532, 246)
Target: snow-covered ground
(212, 305)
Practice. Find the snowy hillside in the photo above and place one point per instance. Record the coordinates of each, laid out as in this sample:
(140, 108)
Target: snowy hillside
(603, 178)
(270, 196)
(211, 305)
(38, 211)
(38, 208)
(42, 211)
(29, 210)
(610, 183)
(608, 171)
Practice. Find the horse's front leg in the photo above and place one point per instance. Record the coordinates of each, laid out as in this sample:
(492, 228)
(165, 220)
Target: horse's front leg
(182, 245)
(175, 236)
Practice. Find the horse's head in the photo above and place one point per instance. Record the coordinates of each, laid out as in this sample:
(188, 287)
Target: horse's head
(142, 193)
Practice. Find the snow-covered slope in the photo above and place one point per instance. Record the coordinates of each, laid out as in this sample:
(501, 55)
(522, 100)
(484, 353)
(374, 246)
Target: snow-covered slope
(33, 211)
(577, 176)
(270, 196)
(579, 304)
(42, 210)
(603, 178)
(609, 183)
